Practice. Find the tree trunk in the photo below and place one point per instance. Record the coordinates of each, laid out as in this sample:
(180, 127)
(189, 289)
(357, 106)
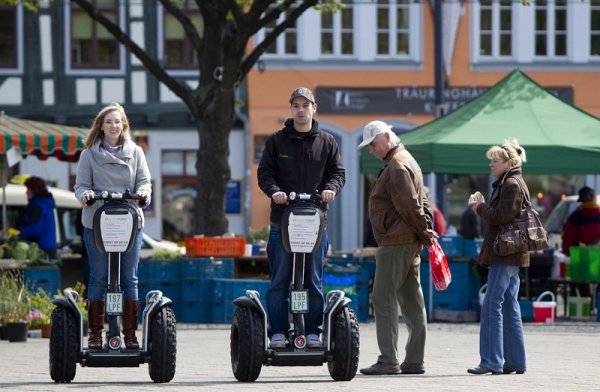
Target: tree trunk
(212, 166)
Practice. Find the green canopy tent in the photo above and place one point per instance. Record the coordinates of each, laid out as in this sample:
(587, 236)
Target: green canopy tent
(558, 137)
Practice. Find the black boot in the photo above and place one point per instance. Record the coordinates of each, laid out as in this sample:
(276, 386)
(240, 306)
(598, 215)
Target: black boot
(130, 323)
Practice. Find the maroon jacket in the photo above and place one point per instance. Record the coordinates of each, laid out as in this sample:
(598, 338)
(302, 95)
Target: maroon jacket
(583, 226)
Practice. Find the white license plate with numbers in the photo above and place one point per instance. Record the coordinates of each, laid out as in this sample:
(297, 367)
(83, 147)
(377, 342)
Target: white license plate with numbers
(114, 303)
(299, 301)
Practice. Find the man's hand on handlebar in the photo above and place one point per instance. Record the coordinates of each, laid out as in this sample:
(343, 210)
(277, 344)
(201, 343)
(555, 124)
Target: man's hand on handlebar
(327, 196)
(280, 198)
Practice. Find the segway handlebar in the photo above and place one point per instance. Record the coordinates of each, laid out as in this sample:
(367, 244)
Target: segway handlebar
(105, 195)
(306, 197)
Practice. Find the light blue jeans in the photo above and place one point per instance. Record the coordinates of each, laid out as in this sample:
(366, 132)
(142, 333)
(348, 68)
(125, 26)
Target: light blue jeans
(281, 263)
(98, 263)
(501, 343)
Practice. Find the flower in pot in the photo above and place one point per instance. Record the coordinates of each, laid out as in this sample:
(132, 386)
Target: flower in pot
(41, 309)
(14, 307)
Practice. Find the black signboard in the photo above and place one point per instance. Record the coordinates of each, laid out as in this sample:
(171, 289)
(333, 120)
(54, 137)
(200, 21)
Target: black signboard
(403, 100)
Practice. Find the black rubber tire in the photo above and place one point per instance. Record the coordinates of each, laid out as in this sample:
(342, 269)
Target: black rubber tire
(64, 344)
(163, 346)
(345, 345)
(247, 344)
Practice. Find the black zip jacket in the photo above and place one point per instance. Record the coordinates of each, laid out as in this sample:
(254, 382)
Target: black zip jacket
(301, 162)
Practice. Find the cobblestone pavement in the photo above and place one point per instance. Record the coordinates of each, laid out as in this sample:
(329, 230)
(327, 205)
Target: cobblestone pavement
(561, 357)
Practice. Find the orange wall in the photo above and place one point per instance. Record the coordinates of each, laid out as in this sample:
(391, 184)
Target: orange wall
(268, 93)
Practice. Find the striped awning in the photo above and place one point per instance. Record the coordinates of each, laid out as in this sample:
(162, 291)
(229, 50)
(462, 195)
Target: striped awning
(40, 138)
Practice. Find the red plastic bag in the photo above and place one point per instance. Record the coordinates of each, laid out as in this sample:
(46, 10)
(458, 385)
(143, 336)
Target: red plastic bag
(440, 271)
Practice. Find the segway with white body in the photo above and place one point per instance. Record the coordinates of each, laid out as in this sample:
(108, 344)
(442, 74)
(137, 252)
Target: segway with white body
(301, 231)
(115, 227)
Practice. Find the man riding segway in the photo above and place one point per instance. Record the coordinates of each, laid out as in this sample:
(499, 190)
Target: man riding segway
(298, 158)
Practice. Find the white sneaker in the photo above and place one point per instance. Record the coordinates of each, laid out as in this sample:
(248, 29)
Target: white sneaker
(313, 341)
(278, 340)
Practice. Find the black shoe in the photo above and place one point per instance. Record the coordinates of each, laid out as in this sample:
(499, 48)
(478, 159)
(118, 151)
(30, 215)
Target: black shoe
(509, 371)
(482, 370)
(412, 368)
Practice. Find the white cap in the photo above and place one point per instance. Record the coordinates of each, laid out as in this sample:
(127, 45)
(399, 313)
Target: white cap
(371, 130)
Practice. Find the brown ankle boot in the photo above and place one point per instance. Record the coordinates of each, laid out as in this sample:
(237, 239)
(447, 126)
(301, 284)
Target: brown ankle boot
(130, 323)
(96, 324)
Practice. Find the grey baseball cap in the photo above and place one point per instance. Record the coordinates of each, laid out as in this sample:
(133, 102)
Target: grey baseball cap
(302, 92)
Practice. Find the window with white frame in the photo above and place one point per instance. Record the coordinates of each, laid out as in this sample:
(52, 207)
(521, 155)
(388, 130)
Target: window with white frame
(495, 28)
(393, 27)
(337, 36)
(8, 37)
(595, 28)
(92, 46)
(178, 50)
(551, 28)
(287, 42)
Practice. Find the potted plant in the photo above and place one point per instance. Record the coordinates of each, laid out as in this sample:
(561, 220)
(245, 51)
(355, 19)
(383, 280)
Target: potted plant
(14, 307)
(41, 309)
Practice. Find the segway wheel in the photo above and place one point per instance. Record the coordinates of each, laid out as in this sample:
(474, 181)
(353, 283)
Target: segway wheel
(345, 345)
(64, 344)
(163, 346)
(247, 344)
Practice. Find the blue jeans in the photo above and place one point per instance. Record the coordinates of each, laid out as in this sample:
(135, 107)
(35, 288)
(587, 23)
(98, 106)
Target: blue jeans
(501, 343)
(281, 263)
(98, 263)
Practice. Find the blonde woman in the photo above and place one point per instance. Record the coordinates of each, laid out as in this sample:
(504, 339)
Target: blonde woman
(501, 343)
(111, 162)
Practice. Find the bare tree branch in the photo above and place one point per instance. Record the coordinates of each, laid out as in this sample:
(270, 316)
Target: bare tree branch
(186, 23)
(290, 20)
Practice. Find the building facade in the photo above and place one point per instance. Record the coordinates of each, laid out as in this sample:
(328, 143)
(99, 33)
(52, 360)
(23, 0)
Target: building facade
(56, 65)
(375, 60)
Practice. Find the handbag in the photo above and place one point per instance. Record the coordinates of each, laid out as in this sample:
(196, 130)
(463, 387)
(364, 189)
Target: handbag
(525, 233)
(440, 271)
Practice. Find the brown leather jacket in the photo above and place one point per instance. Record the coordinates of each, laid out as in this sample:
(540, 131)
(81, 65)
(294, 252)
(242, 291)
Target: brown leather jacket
(398, 207)
(505, 204)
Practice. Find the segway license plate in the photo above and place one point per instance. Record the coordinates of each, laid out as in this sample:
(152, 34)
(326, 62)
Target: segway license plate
(299, 301)
(114, 303)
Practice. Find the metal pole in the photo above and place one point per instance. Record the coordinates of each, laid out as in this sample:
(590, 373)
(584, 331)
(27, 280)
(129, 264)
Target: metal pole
(439, 98)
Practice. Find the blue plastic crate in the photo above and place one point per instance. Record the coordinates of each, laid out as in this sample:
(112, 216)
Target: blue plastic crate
(461, 291)
(170, 289)
(159, 270)
(526, 310)
(196, 311)
(197, 290)
(453, 246)
(45, 278)
(207, 268)
(345, 260)
(226, 290)
(473, 247)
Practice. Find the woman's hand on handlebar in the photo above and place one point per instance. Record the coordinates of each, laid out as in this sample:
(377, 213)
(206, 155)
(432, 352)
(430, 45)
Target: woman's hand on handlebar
(87, 197)
(327, 196)
(144, 198)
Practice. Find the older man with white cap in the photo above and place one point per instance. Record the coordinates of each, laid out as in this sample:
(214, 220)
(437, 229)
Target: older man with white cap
(402, 224)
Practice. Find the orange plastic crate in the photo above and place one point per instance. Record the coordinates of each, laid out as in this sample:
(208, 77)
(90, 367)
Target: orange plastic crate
(215, 246)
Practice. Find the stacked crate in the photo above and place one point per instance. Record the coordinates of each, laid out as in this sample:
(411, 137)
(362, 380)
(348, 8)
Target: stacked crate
(354, 278)
(461, 291)
(197, 287)
(46, 278)
(163, 275)
(226, 290)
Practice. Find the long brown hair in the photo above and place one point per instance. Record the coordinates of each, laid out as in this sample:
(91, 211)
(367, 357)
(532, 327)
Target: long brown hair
(96, 134)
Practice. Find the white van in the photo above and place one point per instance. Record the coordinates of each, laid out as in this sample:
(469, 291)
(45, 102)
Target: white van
(67, 218)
